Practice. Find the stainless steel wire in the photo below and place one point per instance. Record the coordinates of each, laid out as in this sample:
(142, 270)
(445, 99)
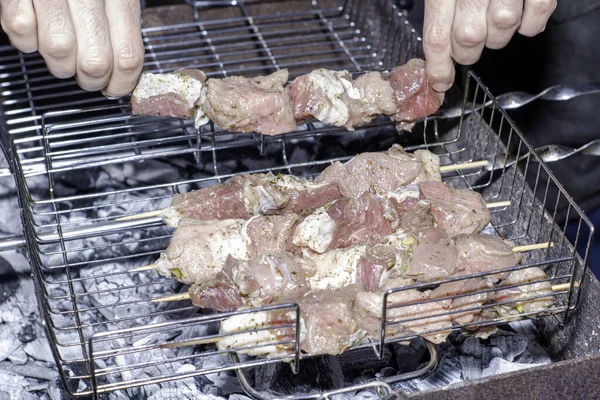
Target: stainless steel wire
(100, 319)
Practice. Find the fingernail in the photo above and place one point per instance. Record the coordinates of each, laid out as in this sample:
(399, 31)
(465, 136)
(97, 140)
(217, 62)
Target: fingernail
(441, 87)
(108, 96)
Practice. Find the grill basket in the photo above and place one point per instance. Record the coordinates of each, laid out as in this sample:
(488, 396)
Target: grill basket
(81, 161)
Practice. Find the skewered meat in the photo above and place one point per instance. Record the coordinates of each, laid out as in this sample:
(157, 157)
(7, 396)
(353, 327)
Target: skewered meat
(259, 104)
(246, 195)
(414, 96)
(455, 210)
(376, 97)
(344, 223)
(379, 172)
(255, 282)
(198, 250)
(323, 95)
(406, 316)
(482, 253)
(433, 257)
(520, 296)
(476, 300)
(175, 94)
(327, 321)
(264, 104)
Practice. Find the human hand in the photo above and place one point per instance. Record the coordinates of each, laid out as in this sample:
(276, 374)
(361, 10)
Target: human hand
(98, 41)
(459, 30)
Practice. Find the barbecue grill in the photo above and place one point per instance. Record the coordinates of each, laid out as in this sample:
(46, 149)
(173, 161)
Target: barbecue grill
(106, 334)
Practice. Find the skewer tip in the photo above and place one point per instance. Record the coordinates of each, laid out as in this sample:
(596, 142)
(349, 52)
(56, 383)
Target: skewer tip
(144, 268)
(147, 214)
(530, 247)
(175, 297)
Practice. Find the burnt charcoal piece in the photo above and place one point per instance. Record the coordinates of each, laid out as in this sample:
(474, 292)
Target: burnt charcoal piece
(27, 334)
(8, 280)
(316, 373)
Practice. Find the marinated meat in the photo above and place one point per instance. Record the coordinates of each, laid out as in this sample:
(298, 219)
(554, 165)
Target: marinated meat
(255, 282)
(457, 211)
(433, 257)
(259, 104)
(484, 253)
(175, 94)
(414, 97)
(476, 300)
(403, 315)
(322, 95)
(528, 297)
(198, 251)
(376, 97)
(270, 234)
(378, 172)
(246, 195)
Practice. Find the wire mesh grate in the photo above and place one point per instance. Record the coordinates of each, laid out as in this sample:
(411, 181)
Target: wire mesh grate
(81, 161)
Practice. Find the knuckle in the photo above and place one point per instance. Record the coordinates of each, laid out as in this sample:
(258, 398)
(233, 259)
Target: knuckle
(505, 19)
(437, 38)
(543, 7)
(129, 60)
(95, 67)
(19, 24)
(470, 35)
(58, 45)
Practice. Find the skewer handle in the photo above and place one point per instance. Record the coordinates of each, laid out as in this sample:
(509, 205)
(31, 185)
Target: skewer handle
(498, 204)
(530, 247)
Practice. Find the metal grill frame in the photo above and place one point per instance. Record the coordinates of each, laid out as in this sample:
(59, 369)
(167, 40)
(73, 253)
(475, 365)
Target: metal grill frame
(36, 135)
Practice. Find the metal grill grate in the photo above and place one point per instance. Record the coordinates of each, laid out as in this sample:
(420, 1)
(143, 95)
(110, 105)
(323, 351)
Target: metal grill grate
(82, 161)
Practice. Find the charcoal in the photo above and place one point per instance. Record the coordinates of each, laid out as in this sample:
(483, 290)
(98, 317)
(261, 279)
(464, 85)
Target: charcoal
(27, 334)
(362, 363)
(315, 372)
(511, 345)
(8, 280)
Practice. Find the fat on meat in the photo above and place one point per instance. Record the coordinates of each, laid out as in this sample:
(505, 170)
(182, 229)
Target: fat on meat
(403, 315)
(529, 287)
(377, 172)
(433, 257)
(414, 97)
(376, 98)
(199, 250)
(175, 94)
(457, 211)
(260, 104)
(485, 253)
(323, 95)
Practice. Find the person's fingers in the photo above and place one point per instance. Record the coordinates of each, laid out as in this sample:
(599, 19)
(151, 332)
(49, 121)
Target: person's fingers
(17, 18)
(56, 37)
(535, 16)
(128, 47)
(469, 30)
(503, 19)
(437, 45)
(94, 51)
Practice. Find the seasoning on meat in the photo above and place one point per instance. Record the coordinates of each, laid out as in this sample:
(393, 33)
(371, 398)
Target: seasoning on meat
(259, 104)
